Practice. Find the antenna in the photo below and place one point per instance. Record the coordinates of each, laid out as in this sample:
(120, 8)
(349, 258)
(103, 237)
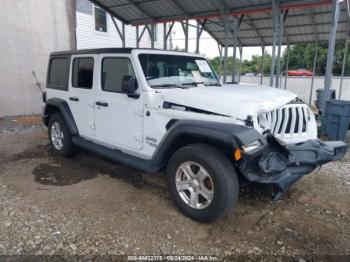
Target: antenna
(37, 83)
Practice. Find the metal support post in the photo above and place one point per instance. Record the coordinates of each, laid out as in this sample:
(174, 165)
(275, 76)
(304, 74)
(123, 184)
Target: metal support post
(137, 37)
(121, 32)
(167, 34)
(186, 37)
(330, 56)
(345, 49)
(234, 57)
(234, 54)
(151, 33)
(200, 27)
(225, 64)
(226, 27)
(240, 62)
(197, 37)
(185, 29)
(287, 65)
(344, 63)
(275, 16)
(220, 62)
(164, 37)
(313, 70)
(280, 35)
(236, 25)
(262, 64)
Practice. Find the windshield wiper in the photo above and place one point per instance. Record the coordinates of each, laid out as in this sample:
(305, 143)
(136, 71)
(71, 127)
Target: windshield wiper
(191, 83)
(168, 85)
(196, 83)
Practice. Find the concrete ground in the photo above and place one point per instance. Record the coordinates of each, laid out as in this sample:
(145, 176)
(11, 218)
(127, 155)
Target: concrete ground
(87, 205)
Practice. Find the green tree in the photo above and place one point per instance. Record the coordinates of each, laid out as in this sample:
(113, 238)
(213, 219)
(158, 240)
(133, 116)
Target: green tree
(247, 66)
(215, 62)
(302, 56)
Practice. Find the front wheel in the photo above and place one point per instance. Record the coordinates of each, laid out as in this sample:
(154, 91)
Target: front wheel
(60, 137)
(202, 182)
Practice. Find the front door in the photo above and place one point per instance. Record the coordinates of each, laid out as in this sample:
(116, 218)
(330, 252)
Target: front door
(118, 118)
(81, 93)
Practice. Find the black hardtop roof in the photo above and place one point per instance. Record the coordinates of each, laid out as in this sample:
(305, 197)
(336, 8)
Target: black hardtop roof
(104, 51)
(93, 51)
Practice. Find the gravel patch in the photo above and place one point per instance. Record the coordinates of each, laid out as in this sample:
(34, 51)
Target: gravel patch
(88, 206)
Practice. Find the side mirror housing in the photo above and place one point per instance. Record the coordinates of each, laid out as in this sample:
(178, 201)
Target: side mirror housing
(129, 86)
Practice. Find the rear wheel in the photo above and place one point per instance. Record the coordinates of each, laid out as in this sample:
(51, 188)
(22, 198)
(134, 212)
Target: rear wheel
(202, 182)
(60, 137)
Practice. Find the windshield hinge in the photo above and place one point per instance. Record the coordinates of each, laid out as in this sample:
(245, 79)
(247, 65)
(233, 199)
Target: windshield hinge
(249, 121)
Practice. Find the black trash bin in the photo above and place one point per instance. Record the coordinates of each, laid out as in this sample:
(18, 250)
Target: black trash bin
(337, 119)
(320, 94)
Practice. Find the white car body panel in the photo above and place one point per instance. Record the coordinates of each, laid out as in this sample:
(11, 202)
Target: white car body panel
(137, 126)
(231, 100)
(82, 110)
(121, 123)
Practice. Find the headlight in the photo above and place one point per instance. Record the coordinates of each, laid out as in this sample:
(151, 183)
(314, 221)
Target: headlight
(252, 146)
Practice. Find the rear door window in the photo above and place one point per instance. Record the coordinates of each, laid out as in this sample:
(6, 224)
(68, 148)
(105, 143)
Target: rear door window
(82, 73)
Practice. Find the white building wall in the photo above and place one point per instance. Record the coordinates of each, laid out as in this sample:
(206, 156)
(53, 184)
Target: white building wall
(29, 31)
(88, 37)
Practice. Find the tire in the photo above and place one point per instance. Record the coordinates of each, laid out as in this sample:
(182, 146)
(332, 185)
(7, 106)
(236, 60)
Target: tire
(222, 183)
(57, 127)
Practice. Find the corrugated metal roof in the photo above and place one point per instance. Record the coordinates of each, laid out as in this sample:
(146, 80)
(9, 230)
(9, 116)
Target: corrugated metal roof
(305, 19)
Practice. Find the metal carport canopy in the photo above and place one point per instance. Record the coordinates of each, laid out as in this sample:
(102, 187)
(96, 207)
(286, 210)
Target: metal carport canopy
(305, 19)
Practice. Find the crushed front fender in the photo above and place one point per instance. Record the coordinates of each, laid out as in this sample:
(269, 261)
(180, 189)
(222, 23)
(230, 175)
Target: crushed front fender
(282, 165)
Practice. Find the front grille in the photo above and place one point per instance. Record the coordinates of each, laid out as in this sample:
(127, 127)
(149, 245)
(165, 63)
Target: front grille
(289, 120)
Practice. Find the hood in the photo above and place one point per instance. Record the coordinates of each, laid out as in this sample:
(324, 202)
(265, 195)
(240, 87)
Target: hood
(235, 100)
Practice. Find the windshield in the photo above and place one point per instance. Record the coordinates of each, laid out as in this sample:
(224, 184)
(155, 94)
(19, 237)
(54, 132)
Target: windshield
(164, 71)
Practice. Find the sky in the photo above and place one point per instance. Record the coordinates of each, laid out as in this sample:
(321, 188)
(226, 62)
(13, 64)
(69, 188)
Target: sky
(207, 45)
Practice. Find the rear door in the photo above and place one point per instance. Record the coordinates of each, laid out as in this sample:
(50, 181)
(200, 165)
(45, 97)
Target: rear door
(118, 118)
(81, 93)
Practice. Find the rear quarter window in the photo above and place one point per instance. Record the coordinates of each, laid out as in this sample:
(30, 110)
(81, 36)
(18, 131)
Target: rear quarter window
(58, 73)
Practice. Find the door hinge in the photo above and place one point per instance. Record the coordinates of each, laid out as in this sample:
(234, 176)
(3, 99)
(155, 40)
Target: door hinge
(139, 112)
(138, 137)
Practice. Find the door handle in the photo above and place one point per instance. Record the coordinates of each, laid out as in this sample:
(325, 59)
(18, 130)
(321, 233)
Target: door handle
(74, 98)
(100, 103)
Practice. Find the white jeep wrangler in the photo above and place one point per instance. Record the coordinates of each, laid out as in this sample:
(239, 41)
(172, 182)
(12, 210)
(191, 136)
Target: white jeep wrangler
(160, 110)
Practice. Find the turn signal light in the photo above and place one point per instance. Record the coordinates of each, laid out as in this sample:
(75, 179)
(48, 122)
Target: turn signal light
(237, 154)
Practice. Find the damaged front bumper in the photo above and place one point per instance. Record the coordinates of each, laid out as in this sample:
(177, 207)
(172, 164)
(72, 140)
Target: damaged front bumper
(282, 165)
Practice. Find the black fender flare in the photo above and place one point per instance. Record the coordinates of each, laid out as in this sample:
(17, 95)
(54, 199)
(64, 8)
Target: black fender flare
(229, 134)
(233, 135)
(64, 109)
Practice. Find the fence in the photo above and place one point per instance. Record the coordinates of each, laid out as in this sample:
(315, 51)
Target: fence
(302, 85)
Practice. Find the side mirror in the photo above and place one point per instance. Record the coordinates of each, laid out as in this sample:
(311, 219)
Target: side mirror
(129, 86)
